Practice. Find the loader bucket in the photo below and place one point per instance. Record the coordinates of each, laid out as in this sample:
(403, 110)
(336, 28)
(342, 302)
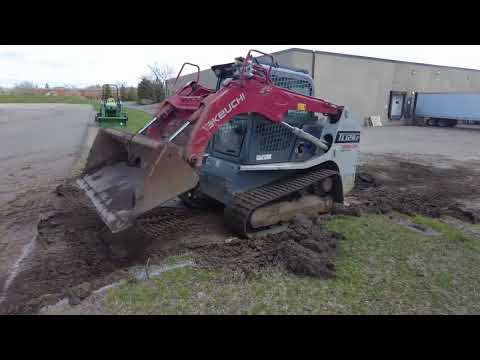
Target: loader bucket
(125, 178)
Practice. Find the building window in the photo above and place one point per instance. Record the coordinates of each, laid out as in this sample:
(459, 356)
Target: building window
(413, 72)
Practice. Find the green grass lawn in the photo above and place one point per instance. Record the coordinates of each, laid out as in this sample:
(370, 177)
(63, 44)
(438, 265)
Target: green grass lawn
(136, 118)
(382, 268)
(38, 99)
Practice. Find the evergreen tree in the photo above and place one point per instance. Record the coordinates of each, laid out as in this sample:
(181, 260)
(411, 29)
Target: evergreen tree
(145, 89)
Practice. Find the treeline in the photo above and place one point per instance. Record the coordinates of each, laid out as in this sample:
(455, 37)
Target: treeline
(26, 88)
(128, 93)
(152, 87)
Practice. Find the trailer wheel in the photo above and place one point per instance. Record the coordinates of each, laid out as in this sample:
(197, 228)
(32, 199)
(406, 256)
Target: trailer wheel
(447, 122)
(432, 122)
(443, 123)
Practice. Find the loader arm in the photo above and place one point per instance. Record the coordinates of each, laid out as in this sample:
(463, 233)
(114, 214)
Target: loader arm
(206, 111)
(176, 110)
(254, 96)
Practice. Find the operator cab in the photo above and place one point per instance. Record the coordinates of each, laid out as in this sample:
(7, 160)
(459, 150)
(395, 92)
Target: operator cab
(250, 139)
(296, 80)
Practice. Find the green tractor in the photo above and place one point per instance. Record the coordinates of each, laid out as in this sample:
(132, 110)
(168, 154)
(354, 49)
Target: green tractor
(110, 113)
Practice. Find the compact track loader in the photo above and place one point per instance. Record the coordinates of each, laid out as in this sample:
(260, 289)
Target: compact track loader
(260, 145)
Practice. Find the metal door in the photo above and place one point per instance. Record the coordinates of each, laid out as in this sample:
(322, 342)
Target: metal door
(396, 105)
(408, 108)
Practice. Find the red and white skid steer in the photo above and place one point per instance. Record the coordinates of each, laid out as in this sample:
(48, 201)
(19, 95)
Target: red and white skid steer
(260, 145)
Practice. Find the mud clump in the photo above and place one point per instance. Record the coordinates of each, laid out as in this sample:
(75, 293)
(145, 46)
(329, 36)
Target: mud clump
(77, 293)
(301, 260)
(305, 248)
(364, 181)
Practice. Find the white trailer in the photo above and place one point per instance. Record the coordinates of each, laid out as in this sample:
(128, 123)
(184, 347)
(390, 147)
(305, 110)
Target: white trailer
(446, 108)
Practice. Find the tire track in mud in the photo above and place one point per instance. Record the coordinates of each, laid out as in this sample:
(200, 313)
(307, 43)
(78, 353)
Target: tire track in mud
(27, 249)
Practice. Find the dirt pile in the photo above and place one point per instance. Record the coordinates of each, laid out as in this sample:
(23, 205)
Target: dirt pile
(67, 253)
(74, 253)
(412, 188)
(305, 248)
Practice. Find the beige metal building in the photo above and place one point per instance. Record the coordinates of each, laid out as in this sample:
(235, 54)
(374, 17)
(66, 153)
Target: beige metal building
(369, 86)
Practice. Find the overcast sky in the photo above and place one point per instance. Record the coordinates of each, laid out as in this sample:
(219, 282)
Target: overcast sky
(97, 64)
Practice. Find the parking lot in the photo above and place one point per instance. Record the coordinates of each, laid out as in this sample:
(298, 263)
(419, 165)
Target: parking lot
(456, 144)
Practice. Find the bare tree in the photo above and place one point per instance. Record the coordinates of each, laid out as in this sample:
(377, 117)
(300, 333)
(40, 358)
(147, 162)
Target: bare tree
(160, 75)
(161, 72)
(121, 83)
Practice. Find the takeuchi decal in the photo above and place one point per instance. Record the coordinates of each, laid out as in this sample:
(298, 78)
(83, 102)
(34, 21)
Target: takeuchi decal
(224, 112)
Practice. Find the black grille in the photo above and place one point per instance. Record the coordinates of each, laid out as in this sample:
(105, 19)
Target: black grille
(229, 138)
(273, 137)
(301, 86)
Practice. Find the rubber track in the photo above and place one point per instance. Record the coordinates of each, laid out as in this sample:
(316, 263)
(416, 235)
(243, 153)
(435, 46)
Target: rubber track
(238, 213)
